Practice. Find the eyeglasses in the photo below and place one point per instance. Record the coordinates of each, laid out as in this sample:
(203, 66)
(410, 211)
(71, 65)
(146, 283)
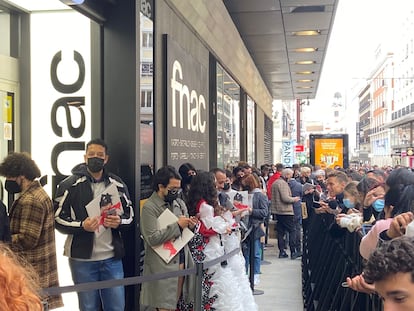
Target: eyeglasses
(174, 190)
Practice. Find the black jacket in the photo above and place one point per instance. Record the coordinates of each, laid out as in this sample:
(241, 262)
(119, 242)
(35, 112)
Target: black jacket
(72, 195)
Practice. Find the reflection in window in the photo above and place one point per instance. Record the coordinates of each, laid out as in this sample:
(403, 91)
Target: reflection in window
(146, 106)
(147, 39)
(404, 134)
(251, 131)
(146, 69)
(228, 116)
(146, 98)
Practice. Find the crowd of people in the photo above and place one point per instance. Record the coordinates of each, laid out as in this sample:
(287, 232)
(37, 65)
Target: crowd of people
(202, 201)
(222, 210)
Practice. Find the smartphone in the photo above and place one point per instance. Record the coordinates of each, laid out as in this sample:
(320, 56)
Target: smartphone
(111, 212)
(365, 228)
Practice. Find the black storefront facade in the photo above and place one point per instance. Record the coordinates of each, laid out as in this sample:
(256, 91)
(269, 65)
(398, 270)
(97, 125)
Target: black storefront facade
(207, 95)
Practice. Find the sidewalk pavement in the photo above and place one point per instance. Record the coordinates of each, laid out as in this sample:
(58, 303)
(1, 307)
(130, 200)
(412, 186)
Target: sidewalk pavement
(281, 282)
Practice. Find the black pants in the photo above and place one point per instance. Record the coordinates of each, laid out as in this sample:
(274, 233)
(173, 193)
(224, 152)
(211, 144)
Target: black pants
(286, 224)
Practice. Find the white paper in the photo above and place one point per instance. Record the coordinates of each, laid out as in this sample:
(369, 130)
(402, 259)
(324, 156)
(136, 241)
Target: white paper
(409, 231)
(168, 250)
(240, 200)
(113, 206)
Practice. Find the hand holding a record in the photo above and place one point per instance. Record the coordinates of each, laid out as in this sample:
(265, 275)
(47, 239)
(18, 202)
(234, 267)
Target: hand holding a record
(91, 224)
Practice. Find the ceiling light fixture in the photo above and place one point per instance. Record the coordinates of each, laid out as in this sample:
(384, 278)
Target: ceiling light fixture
(304, 80)
(304, 87)
(72, 2)
(306, 50)
(305, 62)
(306, 33)
(305, 72)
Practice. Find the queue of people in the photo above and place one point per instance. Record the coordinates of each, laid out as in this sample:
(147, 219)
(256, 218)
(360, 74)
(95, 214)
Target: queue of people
(92, 217)
(210, 205)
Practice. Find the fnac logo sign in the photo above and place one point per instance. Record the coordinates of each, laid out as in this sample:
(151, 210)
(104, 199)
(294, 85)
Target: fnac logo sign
(188, 108)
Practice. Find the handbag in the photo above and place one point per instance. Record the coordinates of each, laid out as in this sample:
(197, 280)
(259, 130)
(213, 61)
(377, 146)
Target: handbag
(304, 210)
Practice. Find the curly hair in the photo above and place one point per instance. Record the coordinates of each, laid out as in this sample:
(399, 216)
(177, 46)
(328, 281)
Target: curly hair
(390, 258)
(19, 164)
(203, 187)
(18, 289)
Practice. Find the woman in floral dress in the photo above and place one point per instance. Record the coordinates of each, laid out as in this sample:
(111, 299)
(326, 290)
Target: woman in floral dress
(225, 285)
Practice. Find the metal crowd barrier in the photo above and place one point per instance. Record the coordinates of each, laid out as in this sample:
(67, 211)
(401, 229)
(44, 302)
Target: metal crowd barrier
(326, 262)
(197, 270)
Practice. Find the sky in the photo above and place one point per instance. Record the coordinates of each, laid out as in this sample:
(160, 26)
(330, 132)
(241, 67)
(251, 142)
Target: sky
(359, 27)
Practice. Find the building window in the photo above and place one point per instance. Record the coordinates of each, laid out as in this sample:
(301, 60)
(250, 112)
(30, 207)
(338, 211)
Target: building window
(146, 39)
(251, 131)
(228, 119)
(146, 98)
(146, 69)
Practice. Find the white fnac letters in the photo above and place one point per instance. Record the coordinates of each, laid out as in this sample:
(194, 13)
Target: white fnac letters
(191, 106)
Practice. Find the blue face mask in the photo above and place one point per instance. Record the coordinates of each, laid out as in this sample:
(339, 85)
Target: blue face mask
(348, 203)
(378, 205)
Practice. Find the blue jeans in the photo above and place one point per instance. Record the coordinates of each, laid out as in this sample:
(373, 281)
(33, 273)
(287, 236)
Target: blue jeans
(257, 255)
(112, 299)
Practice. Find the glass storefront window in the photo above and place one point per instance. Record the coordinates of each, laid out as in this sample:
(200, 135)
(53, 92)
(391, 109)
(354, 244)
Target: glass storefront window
(401, 136)
(228, 116)
(404, 135)
(146, 105)
(251, 130)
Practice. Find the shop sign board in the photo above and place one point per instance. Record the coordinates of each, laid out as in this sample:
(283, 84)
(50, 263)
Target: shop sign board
(288, 152)
(60, 91)
(187, 107)
(329, 150)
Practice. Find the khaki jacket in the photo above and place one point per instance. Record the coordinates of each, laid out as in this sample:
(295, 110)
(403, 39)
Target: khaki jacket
(162, 293)
(282, 200)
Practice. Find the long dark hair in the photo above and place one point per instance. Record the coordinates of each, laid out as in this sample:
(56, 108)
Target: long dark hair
(203, 187)
(401, 191)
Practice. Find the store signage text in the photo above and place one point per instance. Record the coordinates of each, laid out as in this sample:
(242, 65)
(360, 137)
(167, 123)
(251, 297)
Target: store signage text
(287, 152)
(146, 8)
(68, 103)
(188, 101)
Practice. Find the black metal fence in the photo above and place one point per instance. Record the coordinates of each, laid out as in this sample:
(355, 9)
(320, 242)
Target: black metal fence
(197, 270)
(327, 260)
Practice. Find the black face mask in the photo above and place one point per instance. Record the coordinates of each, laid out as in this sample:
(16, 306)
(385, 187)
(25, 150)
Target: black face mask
(188, 179)
(12, 186)
(226, 186)
(95, 165)
(171, 196)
